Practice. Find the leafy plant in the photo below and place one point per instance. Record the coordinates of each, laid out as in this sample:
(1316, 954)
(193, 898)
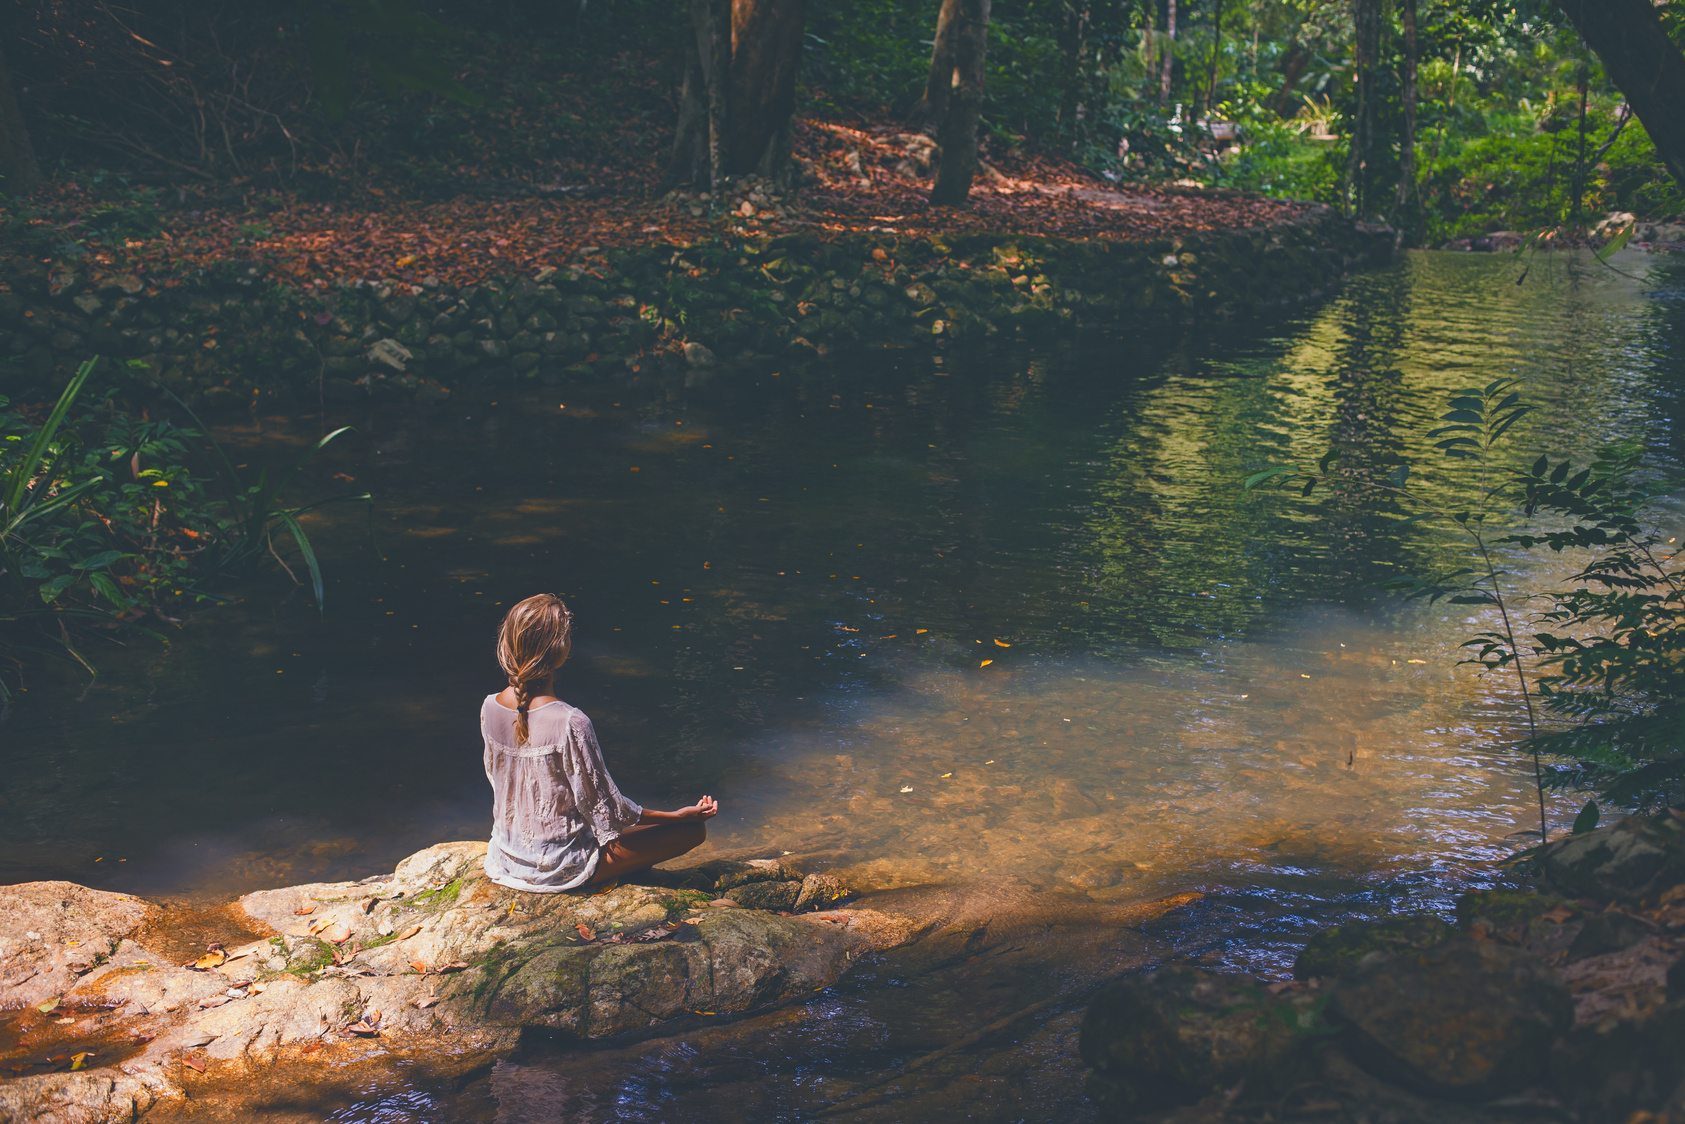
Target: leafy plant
(103, 525)
(1609, 651)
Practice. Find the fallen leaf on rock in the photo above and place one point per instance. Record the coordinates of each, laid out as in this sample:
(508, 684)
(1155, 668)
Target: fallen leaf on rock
(194, 1061)
(318, 925)
(259, 988)
(409, 932)
(1558, 915)
(368, 905)
(213, 1001)
(363, 1029)
(216, 958)
(80, 1061)
(305, 912)
(47, 1007)
(339, 934)
(427, 1002)
(586, 932)
(453, 966)
(419, 967)
(385, 927)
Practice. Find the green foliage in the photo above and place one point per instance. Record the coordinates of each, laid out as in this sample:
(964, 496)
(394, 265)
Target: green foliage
(1608, 653)
(104, 525)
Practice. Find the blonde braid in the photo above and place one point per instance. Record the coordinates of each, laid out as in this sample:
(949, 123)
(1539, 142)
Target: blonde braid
(534, 640)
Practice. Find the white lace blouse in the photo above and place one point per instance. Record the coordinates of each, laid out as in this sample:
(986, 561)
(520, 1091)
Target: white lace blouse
(553, 802)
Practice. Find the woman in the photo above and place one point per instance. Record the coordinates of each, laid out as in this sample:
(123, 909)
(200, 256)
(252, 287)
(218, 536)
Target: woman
(558, 821)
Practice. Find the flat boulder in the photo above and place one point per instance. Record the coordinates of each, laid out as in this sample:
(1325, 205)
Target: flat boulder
(1177, 1034)
(1633, 862)
(1463, 1019)
(1331, 951)
(54, 933)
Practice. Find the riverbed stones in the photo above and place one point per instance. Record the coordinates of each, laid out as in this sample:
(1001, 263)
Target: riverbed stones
(1464, 1018)
(1633, 861)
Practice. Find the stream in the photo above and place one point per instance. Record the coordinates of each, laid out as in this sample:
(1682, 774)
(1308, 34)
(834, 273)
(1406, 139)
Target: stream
(1001, 622)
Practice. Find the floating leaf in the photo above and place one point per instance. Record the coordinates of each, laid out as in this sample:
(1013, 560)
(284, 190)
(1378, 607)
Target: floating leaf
(1002, 644)
(985, 663)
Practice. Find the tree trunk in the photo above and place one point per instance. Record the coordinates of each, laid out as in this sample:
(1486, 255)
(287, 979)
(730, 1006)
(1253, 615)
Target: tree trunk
(1580, 156)
(1216, 51)
(766, 49)
(1074, 47)
(739, 99)
(1167, 65)
(1366, 19)
(1407, 143)
(19, 172)
(932, 109)
(958, 136)
(1643, 64)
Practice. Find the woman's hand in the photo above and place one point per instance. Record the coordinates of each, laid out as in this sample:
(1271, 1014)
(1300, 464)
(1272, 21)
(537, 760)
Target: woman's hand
(703, 809)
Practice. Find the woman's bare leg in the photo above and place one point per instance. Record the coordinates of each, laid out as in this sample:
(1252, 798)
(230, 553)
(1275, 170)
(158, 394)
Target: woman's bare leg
(640, 848)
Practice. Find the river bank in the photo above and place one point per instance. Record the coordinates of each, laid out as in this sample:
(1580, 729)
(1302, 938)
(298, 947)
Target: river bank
(1560, 1000)
(240, 333)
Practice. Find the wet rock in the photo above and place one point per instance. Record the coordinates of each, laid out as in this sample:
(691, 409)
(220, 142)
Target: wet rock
(1634, 861)
(820, 891)
(75, 1098)
(1332, 951)
(1626, 1062)
(698, 355)
(53, 933)
(781, 896)
(1465, 1018)
(389, 355)
(1610, 931)
(1177, 1034)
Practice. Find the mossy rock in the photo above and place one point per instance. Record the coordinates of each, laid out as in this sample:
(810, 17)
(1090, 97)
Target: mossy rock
(1507, 915)
(1331, 952)
(1633, 862)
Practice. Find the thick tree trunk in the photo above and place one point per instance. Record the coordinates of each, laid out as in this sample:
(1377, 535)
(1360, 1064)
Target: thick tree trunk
(1643, 64)
(1167, 65)
(958, 135)
(1407, 143)
(766, 49)
(19, 172)
(932, 109)
(739, 96)
(1366, 18)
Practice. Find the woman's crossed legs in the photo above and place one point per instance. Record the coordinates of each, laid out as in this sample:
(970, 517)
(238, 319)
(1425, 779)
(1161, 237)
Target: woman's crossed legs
(639, 848)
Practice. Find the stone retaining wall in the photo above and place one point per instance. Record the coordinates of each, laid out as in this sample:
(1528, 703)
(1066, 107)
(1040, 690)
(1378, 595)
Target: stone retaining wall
(234, 336)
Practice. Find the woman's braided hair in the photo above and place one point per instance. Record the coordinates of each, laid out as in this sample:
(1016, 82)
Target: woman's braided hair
(533, 641)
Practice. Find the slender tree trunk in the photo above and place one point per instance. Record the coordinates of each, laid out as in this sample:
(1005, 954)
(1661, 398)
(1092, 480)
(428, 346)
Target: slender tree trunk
(1580, 156)
(1407, 143)
(958, 136)
(1167, 65)
(20, 174)
(1643, 64)
(690, 136)
(1216, 52)
(715, 32)
(932, 108)
(1366, 18)
(1076, 43)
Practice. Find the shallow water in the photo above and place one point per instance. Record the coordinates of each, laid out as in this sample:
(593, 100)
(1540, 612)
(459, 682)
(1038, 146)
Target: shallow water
(786, 586)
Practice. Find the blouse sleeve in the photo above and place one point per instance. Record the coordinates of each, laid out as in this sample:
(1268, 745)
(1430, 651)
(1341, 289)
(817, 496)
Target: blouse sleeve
(594, 792)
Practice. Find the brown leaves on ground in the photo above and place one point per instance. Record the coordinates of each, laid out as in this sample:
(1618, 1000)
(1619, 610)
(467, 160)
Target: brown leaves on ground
(860, 177)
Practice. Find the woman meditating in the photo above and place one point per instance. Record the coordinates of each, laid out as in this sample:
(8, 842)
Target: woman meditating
(558, 821)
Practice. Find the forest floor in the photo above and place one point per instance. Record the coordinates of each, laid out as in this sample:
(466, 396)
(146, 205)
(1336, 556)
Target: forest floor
(851, 177)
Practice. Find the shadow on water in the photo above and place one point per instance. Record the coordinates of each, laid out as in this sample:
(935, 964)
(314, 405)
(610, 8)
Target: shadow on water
(1002, 624)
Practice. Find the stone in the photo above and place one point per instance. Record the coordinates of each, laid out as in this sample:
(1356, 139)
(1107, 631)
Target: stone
(1462, 1019)
(88, 304)
(52, 933)
(1174, 1035)
(1606, 932)
(389, 355)
(820, 891)
(1633, 862)
(1331, 951)
(781, 896)
(698, 355)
